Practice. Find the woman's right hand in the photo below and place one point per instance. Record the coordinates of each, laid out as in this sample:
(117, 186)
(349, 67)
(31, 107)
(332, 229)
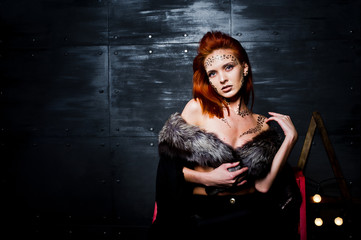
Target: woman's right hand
(221, 177)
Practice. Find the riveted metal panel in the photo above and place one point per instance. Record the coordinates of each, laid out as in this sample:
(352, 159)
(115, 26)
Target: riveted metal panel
(47, 24)
(147, 84)
(281, 20)
(166, 21)
(56, 92)
(133, 175)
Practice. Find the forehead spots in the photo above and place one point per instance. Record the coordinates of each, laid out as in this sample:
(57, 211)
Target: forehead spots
(209, 61)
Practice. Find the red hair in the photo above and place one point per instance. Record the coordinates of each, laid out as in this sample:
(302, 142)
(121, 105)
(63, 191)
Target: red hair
(211, 102)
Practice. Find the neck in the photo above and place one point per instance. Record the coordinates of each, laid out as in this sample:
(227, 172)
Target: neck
(236, 105)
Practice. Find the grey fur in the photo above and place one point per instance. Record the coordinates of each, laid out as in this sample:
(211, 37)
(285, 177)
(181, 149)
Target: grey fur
(206, 149)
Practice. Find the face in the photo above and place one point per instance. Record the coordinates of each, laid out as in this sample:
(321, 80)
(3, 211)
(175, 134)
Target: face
(225, 73)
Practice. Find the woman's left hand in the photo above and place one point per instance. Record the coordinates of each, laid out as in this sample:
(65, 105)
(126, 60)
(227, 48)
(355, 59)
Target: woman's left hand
(286, 124)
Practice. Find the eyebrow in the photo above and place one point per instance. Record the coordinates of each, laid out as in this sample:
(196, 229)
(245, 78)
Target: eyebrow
(223, 66)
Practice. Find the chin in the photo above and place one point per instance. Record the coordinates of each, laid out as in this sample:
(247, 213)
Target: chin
(230, 94)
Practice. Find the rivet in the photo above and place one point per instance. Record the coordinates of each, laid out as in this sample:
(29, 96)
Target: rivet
(351, 31)
(115, 53)
(351, 88)
(150, 51)
(239, 34)
(232, 201)
(115, 37)
(185, 35)
(118, 181)
(150, 36)
(151, 129)
(186, 51)
(151, 144)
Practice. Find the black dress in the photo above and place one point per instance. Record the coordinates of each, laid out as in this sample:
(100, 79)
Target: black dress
(182, 215)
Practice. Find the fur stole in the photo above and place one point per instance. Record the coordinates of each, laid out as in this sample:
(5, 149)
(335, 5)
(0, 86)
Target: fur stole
(178, 138)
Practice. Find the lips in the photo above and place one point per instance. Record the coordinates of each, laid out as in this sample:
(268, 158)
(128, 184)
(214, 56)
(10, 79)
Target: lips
(227, 88)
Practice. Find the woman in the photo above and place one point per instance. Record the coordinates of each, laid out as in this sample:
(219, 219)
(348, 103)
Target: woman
(219, 173)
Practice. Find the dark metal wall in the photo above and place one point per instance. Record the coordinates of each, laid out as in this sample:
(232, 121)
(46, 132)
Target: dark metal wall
(87, 85)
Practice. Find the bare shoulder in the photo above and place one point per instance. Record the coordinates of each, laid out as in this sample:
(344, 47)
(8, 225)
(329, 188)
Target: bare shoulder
(261, 121)
(192, 112)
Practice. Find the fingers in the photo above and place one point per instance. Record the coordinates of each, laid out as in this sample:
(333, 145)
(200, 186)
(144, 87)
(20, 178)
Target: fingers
(230, 165)
(280, 119)
(241, 183)
(277, 116)
(240, 171)
(285, 123)
(239, 175)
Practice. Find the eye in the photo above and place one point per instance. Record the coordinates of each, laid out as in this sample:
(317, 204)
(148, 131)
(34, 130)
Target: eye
(229, 67)
(211, 74)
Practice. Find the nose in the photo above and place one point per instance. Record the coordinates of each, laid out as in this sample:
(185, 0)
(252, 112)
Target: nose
(222, 78)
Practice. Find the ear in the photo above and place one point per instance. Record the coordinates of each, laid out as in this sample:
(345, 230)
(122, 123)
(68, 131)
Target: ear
(245, 69)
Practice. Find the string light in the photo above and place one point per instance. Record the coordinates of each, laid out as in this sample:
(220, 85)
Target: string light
(318, 222)
(317, 198)
(338, 221)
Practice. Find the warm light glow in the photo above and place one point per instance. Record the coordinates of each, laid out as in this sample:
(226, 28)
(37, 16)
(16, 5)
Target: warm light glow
(317, 198)
(338, 221)
(318, 222)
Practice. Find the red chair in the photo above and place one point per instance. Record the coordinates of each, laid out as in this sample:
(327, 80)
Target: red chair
(155, 212)
(300, 179)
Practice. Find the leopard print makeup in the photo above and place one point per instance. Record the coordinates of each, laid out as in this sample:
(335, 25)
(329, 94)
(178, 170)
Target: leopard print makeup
(258, 128)
(209, 61)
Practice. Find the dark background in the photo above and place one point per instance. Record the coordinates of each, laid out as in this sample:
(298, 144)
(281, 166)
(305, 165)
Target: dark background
(87, 85)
